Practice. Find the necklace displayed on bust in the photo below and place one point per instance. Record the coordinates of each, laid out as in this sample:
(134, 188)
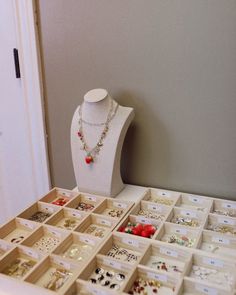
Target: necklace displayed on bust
(92, 153)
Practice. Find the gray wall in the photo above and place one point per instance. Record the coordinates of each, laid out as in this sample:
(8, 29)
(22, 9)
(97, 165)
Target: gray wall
(174, 61)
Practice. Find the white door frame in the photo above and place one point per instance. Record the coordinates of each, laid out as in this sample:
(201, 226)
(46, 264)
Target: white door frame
(31, 75)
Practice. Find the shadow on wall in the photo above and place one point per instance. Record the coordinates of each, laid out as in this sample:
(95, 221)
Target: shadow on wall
(146, 135)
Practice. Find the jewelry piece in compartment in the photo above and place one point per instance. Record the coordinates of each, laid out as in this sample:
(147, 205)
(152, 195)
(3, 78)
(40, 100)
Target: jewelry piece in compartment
(46, 244)
(162, 201)
(212, 275)
(107, 278)
(224, 229)
(122, 254)
(229, 212)
(138, 229)
(58, 278)
(181, 240)
(17, 240)
(79, 251)
(69, 223)
(151, 214)
(96, 231)
(19, 267)
(84, 206)
(144, 287)
(60, 201)
(162, 265)
(117, 213)
(185, 221)
(39, 216)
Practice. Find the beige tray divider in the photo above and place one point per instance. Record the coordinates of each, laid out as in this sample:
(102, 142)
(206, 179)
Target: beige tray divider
(7, 228)
(34, 237)
(63, 246)
(6, 247)
(55, 218)
(159, 233)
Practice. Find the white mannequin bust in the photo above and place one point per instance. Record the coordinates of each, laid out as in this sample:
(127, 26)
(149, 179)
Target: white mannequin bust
(102, 175)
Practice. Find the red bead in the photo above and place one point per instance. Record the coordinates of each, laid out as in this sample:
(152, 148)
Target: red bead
(79, 134)
(89, 159)
(149, 228)
(145, 234)
(135, 231)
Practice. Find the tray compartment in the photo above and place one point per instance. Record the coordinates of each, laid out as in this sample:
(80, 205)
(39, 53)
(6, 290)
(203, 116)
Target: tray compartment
(195, 202)
(160, 196)
(67, 219)
(78, 247)
(54, 274)
(17, 230)
(85, 202)
(19, 262)
(97, 225)
(113, 208)
(193, 287)
(178, 235)
(217, 243)
(124, 249)
(212, 269)
(221, 224)
(139, 226)
(224, 207)
(45, 239)
(59, 196)
(166, 258)
(107, 273)
(187, 217)
(152, 282)
(151, 210)
(39, 212)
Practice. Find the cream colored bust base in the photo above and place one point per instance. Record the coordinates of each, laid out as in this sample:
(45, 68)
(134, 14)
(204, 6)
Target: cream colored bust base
(103, 176)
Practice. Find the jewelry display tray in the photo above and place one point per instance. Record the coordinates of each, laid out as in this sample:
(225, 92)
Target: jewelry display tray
(205, 266)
